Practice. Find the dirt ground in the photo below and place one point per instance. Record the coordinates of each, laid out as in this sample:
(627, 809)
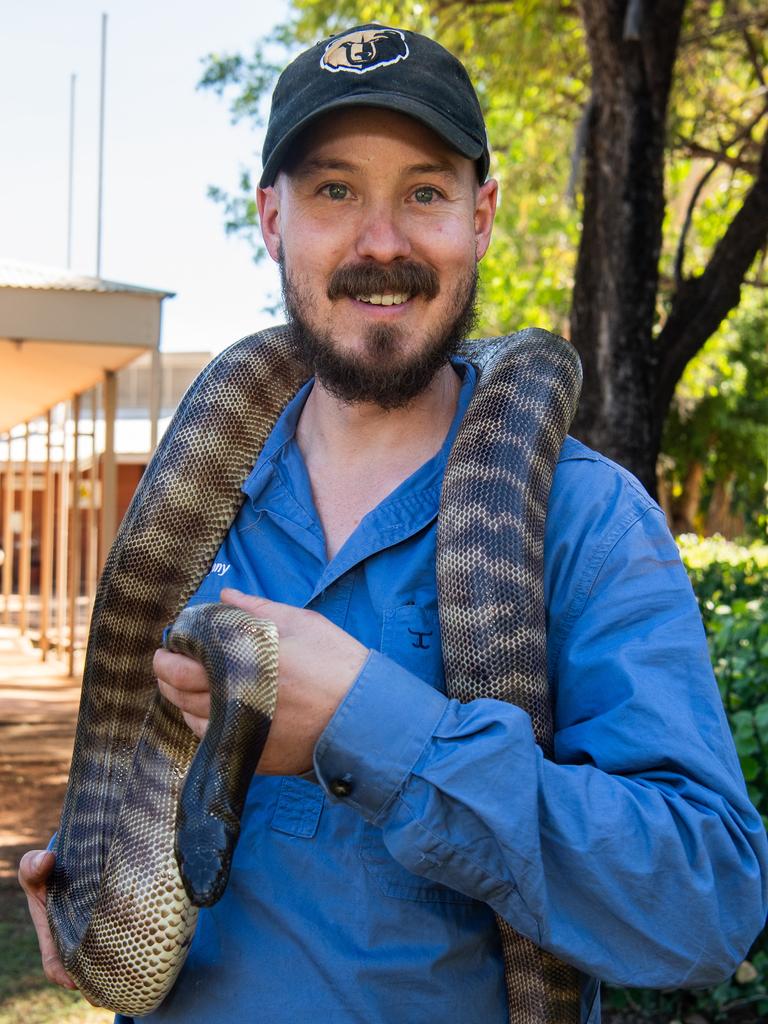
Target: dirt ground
(38, 710)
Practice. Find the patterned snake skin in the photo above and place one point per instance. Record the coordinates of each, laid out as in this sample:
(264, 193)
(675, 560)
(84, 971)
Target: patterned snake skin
(121, 909)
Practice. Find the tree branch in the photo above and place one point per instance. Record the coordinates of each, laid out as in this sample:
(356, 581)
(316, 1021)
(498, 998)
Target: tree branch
(754, 56)
(695, 149)
(446, 4)
(745, 131)
(739, 22)
(687, 222)
(701, 303)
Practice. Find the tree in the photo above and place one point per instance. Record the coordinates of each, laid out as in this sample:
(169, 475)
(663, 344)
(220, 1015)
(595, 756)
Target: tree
(631, 374)
(713, 474)
(660, 99)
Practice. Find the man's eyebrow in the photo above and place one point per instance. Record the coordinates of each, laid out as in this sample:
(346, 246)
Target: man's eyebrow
(433, 168)
(314, 164)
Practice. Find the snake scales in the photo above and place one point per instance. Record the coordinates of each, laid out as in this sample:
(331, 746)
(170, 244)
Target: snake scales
(117, 904)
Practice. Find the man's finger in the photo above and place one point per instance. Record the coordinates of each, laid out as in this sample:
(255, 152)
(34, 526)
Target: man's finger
(197, 702)
(179, 671)
(34, 869)
(53, 968)
(197, 724)
(259, 607)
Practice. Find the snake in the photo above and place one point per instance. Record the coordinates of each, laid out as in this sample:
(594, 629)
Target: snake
(151, 817)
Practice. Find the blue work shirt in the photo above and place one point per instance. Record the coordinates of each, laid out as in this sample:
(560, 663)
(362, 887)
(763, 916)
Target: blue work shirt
(635, 855)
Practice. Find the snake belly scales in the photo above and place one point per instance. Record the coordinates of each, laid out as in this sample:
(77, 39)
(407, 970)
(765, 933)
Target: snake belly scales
(117, 903)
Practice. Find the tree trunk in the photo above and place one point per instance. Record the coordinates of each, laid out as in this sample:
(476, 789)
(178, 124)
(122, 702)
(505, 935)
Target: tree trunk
(630, 377)
(617, 272)
(702, 302)
(686, 507)
(720, 517)
(664, 497)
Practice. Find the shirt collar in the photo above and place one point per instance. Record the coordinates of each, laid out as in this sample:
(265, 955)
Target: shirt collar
(284, 431)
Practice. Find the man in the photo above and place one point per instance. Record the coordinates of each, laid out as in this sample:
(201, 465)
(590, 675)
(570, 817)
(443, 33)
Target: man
(388, 825)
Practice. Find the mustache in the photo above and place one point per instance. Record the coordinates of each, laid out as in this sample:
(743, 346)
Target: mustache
(406, 277)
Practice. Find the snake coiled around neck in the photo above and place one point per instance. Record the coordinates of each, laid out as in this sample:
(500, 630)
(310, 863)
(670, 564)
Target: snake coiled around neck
(118, 908)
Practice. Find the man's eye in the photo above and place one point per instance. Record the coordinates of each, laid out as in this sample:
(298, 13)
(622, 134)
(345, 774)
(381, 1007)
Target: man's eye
(424, 195)
(337, 191)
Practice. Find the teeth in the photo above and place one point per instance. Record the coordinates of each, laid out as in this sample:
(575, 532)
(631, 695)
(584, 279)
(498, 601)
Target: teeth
(387, 299)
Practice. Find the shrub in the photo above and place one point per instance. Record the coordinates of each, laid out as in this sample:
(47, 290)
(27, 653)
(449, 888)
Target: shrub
(731, 586)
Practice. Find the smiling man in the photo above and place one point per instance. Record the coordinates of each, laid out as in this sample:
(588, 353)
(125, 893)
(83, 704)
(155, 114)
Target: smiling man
(388, 825)
(379, 267)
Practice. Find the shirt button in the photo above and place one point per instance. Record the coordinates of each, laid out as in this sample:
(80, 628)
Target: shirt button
(340, 787)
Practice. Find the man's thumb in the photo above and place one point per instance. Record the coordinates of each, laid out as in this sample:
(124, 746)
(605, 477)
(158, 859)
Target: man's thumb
(36, 866)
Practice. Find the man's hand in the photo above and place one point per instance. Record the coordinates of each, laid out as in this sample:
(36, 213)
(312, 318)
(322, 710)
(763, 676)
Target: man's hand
(318, 663)
(34, 871)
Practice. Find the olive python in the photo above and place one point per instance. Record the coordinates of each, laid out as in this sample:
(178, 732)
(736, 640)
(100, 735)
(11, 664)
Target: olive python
(150, 818)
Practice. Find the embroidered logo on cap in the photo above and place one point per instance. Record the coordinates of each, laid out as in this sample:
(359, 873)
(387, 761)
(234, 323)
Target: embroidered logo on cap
(365, 50)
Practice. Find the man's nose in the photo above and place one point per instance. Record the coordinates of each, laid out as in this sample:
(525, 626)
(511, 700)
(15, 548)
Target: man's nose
(381, 235)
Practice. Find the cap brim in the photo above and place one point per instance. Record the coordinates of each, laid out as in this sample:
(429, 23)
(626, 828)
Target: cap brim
(467, 145)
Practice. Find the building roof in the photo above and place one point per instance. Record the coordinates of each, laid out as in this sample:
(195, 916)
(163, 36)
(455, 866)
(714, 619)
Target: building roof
(60, 331)
(18, 274)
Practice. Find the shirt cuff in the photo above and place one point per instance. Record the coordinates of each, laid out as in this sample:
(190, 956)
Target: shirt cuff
(377, 734)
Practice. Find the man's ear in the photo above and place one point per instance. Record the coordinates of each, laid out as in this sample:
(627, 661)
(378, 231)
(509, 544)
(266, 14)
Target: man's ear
(485, 211)
(268, 202)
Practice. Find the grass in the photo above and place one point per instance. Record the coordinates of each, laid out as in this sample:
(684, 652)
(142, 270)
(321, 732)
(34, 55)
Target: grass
(25, 995)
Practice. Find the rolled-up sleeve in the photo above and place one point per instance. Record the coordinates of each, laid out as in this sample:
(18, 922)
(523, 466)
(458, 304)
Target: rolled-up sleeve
(635, 854)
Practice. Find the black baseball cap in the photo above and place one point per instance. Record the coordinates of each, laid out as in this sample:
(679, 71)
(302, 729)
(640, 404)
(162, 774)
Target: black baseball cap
(376, 66)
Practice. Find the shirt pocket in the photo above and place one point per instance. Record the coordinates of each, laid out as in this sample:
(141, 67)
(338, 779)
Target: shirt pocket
(298, 808)
(410, 635)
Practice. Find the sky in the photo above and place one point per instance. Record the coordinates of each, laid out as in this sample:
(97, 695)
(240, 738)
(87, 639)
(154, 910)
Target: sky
(165, 143)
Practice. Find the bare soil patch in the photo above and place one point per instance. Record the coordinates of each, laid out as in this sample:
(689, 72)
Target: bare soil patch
(37, 721)
(38, 711)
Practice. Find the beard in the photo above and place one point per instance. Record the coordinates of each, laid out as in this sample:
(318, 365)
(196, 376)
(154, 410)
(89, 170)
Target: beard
(386, 373)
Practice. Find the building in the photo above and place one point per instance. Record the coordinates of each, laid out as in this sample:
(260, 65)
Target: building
(84, 395)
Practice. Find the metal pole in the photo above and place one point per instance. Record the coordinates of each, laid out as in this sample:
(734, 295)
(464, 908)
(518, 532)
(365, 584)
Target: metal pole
(91, 519)
(101, 141)
(62, 524)
(155, 396)
(8, 504)
(46, 547)
(72, 83)
(74, 537)
(109, 486)
(25, 547)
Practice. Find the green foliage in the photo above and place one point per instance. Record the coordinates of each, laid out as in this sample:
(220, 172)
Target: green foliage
(717, 108)
(718, 418)
(531, 105)
(240, 211)
(731, 585)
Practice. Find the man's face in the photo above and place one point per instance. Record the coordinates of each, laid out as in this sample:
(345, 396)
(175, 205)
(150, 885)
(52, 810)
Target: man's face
(378, 227)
